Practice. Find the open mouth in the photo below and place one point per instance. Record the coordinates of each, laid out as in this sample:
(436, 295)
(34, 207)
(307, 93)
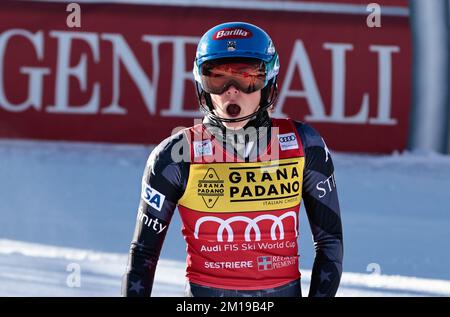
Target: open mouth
(233, 110)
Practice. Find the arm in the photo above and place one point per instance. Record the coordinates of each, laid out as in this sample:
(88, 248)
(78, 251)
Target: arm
(163, 183)
(322, 207)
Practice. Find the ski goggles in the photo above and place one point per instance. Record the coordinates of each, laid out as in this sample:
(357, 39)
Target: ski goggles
(246, 74)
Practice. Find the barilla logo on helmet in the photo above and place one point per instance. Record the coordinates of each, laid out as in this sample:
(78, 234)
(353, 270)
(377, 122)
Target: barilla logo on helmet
(232, 33)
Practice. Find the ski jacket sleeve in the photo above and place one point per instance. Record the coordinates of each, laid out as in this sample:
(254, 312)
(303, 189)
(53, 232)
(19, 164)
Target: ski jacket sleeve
(320, 197)
(163, 183)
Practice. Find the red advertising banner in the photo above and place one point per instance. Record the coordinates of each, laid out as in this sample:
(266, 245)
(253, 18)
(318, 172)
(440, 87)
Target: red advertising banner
(125, 75)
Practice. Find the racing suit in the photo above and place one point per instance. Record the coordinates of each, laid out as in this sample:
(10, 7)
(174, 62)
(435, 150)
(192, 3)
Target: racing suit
(240, 212)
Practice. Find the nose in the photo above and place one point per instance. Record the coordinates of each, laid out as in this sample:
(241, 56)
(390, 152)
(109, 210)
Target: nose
(232, 90)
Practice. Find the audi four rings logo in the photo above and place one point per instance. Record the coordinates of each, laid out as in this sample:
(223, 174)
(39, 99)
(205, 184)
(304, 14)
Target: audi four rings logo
(225, 224)
(288, 141)
(288, 138)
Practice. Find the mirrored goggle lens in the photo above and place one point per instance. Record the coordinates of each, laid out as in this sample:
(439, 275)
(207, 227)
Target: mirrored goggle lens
(247, 75)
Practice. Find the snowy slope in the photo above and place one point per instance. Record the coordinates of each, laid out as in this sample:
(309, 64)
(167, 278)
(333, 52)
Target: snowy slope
(40, 270)
(396, 217)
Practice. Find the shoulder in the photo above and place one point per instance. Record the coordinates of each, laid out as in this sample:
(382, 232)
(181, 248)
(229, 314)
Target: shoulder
(310, 137)
(171, 150)
(317, 154)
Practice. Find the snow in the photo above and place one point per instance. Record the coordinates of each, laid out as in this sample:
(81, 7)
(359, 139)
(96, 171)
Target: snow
(30, 269)
(63, 203)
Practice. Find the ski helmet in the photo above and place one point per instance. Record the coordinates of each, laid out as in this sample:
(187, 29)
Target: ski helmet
(237, 41)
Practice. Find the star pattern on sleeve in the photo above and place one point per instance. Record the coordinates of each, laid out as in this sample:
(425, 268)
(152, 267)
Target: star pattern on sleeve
(325, 276)
(136, 287)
